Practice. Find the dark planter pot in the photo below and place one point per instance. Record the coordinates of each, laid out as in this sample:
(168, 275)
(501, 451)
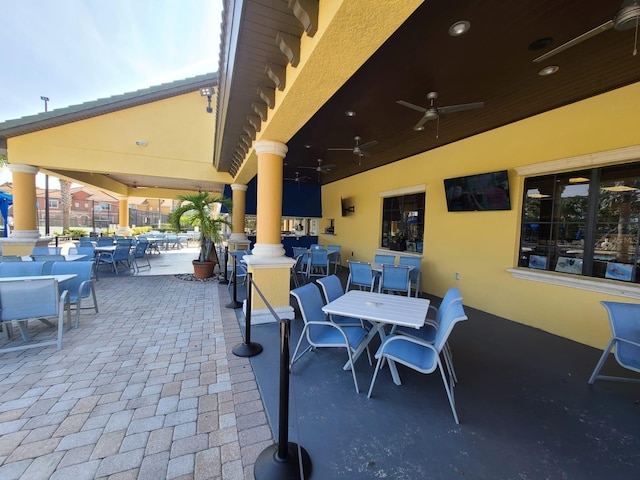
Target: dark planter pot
(203, 269)
(398, 246)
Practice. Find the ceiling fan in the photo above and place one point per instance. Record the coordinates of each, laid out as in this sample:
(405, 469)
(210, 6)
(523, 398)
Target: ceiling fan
(433, 113)
(297, 178)
(359, 149)
(626, 18)
(320, 168)
(136, 186)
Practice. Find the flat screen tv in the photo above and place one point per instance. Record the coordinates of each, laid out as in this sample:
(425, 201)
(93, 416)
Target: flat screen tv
(484, 191)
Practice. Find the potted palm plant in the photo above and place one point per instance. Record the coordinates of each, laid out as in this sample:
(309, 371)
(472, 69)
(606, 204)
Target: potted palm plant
(197, 210)
(398, 241)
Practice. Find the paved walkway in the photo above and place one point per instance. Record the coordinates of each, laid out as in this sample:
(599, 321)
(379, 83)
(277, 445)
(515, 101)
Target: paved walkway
(146, 389)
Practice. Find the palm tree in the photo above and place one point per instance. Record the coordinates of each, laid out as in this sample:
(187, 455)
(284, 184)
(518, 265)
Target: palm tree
(197, 209)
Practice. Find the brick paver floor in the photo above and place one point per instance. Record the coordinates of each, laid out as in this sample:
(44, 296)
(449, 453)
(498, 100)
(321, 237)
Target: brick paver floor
(146, 389)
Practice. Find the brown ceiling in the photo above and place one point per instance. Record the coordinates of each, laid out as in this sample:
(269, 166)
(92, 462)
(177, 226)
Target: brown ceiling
(492, 63)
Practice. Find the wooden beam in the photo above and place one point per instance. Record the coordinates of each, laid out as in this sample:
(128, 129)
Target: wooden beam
(255, 121)
(290, 46)
(277, 74)
(306, 11)
(261, 109)
(268, 95)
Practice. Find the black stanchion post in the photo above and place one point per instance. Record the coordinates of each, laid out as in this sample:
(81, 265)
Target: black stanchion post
(225, 281)
(247, 348)
(234, 303)
(284, 459)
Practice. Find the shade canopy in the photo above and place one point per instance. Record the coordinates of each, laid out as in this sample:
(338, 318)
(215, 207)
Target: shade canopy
(6, 200)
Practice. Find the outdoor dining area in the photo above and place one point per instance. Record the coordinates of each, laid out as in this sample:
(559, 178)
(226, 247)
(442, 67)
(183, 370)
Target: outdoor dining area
(502, 400)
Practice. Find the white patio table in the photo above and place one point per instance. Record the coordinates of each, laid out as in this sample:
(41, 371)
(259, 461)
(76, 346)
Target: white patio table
(380, 309)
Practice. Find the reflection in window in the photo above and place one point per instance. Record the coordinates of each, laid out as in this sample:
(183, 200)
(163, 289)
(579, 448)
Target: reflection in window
(583, 223)
(403, 222)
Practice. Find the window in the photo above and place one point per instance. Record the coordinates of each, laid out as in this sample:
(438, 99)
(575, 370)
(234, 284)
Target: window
(583, 223)
(77, 204)
(53, 203)
(403, 222)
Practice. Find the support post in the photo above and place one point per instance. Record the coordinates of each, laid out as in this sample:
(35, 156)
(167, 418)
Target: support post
(234, 303)
(284, 459)
(225, 281)
(247, 348)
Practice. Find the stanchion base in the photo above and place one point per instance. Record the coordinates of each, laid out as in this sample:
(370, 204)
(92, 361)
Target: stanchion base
(233, 304)
(269, 467)
(247, 349)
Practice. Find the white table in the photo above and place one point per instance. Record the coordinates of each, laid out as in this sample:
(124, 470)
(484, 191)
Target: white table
(68, 258)
(380, 309)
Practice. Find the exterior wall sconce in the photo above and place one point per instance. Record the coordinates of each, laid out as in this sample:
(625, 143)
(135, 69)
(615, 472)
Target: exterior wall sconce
(207, 92)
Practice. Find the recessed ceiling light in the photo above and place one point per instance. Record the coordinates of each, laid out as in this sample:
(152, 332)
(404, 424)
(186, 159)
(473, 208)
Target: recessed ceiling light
(419, 129)
(459, 28)
(548, 70)
(350, 113)
(141, 143)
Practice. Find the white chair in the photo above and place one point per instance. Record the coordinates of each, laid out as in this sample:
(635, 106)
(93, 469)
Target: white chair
(23, 300)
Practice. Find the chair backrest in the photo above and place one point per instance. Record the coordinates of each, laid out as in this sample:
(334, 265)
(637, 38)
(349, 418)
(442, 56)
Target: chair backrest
(140, 248)
(452, 315)
(22, 299)
(395, 277)
(319, 256)
(452, 295)
(333, 248)
(310, 303)
(415, 262)
(623, 318)
(88, 250)
(299, 251)
(331, 287)
(381, 258)
(20, 269)
(46, 250)
(316, 246)
(105, 241)
(124, 241)
(360, 273)
(82, 269)
(10, 258)
(122, 252)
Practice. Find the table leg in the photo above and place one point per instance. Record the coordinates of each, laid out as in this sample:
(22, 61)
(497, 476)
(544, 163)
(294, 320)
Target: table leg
(392, 365)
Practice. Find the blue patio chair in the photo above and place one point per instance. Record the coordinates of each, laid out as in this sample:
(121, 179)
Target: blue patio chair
(321, 333)
(414, 274)
(625, 329)
(395, 279)
(126, 241)
(140, 253)
(120, 256)
(334, 256)
(304, 251)
(48, 258)
(20, 269)
(82, 286)
(318, 265)
(298, 274)
(431, 325)
(361, 276)
(331, 288)
(46, 250)
(381, 258)
(36, 299)
(422, 356)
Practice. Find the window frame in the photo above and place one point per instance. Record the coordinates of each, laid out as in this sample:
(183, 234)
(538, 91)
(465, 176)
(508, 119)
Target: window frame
(412, 246)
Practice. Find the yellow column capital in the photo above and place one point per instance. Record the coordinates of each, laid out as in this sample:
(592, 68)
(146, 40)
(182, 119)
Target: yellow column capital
(270, 146)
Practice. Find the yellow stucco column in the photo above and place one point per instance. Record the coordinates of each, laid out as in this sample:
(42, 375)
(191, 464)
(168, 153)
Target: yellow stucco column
(270, 269)
(239, 196)
(123, 217)
(25, 213)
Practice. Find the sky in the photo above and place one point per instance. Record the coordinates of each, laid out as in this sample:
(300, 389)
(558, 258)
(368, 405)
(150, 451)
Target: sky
(76, 51)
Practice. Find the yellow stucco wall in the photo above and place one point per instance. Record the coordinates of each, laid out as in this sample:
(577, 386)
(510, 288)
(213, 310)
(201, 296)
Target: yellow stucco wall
(481, 246)
(178, 131)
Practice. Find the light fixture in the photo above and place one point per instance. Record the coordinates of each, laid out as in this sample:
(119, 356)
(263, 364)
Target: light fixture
(142, 143)
(548, 70)
(459, 28)
(578, 180)
(207, 92)
(350, 113)
(619, 188)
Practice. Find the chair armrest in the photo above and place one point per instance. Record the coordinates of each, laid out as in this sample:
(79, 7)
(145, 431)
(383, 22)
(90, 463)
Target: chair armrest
(403, 338)
(627, 341)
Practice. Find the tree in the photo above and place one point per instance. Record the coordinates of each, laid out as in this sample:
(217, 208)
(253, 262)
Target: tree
(65, 200)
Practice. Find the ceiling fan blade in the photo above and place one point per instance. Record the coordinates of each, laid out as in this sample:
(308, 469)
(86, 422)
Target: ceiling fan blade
(368, 145)
(411, 105)
(425, 118)
(310, 168)
(460, 108)
(342, 149)
(329, 167)
(579, 39)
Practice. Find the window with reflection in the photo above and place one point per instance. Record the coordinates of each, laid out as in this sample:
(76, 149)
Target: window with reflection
(583, 223)
(403, 222)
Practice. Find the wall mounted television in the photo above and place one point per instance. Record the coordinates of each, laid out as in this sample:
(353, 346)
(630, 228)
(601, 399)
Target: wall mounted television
(483, 191)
